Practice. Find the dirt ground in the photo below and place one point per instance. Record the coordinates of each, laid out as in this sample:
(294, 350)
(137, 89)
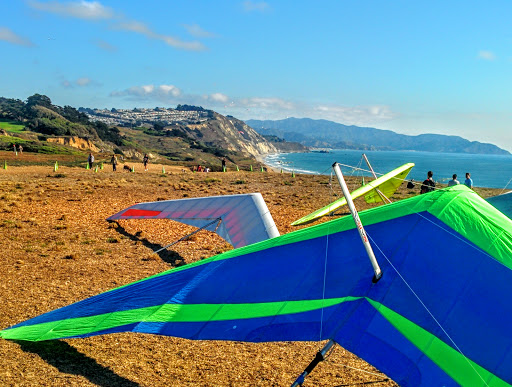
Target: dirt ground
(58, 248)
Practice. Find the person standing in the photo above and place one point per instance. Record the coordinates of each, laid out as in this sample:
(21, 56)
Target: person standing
(454, 181)
(468, 182)
(113, 160)
(20, 148)
(223, 164)
(428, 184)
(145, 161)
(90, 160)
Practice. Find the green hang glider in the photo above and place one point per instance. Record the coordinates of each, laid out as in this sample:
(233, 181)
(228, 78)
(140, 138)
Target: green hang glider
(386, 184)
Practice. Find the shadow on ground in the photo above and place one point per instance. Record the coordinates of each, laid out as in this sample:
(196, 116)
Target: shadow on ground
(169, 256)
(68, 360)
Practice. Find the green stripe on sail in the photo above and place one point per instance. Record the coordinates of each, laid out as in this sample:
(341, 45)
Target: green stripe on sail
(461, 369)
(164, 313)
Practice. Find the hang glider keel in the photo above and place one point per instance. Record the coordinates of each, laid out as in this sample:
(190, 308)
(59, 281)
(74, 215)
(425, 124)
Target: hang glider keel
(362, 234)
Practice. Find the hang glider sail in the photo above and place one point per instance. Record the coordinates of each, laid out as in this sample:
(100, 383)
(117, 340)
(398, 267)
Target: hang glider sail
(242, 219)
(440, 314)
(503, 203)
(387, 184)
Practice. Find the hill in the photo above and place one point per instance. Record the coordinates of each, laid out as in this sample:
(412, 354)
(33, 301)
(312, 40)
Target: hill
(323, 133)
(189, 135)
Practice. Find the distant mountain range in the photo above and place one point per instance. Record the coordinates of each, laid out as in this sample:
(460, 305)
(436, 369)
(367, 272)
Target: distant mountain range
(329, 134)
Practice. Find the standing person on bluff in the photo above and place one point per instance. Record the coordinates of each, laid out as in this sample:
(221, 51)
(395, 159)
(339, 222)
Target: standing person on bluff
(90, 160)
(145, 161)
(453, 181)
(113, 160)
(223, 164)
(428, 184)
(468, 182)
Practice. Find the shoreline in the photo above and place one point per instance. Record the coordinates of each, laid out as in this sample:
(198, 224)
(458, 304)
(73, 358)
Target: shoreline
(487, 171)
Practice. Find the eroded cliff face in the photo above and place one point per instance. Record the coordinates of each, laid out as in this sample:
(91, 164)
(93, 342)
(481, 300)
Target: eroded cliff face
(231, 134)
(75, 142)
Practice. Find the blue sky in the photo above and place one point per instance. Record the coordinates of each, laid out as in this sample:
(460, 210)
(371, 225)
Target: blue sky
(409, 66)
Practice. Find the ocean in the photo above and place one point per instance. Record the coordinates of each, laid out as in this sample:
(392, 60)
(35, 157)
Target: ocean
(491, 171)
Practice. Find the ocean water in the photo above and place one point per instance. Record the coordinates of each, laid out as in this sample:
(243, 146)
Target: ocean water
(492, 171)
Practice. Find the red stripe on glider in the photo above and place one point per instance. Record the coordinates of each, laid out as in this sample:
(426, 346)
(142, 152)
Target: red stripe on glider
(136, 212)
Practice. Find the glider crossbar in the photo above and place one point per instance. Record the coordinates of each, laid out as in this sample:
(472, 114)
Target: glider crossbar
(218, 220)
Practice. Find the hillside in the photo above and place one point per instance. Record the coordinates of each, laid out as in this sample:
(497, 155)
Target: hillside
(190, 135)
(323, 133)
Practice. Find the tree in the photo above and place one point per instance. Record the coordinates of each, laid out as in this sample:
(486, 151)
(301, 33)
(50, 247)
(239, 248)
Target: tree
(39, 99)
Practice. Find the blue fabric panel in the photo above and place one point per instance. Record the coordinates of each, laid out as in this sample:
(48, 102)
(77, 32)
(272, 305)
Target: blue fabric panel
(502, 203)
(380, 344)
(448, 273)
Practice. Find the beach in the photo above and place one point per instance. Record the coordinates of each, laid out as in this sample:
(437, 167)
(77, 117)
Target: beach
(58, 249)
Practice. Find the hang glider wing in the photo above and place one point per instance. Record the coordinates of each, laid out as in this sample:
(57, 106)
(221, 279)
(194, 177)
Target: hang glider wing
(503, 203)
(244, 219)
(387, 184)
(440, 315)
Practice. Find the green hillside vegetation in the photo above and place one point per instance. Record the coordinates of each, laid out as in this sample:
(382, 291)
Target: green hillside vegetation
(11, 126)
(32, 122)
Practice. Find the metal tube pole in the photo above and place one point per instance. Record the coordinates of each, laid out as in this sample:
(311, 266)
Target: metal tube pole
(359, 225)
(320, 356)
(189, 235)
(382, 196)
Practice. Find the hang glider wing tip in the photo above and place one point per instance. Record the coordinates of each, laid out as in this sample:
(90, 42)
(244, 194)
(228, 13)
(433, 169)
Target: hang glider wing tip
(391, 181)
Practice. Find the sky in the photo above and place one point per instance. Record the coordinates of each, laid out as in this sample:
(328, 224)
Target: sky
(413, 67)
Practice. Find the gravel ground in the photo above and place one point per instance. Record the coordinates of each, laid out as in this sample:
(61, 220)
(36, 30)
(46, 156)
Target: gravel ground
(58, 248)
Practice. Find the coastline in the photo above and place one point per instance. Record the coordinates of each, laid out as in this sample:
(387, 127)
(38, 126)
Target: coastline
(487, 171)
(262, 160)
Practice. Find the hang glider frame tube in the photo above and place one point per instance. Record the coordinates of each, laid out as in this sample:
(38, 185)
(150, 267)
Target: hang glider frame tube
(320, 356)
(359, 225)
(383, 197)
(218, 220)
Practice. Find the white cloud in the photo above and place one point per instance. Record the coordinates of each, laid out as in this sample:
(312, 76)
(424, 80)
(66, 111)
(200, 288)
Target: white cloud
(94, 10)
(486, 55)
(353, 115)
(105, 45)
(80, 82)
(251, 6)
(197, 31)
(83, 81)
(170, 90)
(218, 97)
(149, 92)
(267, 103)
(141, 28)
(90, 10)
(259, 107)
(8, 36)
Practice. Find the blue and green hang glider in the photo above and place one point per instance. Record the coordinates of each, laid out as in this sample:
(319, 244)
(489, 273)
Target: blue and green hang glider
(373, 191)
(440, 315)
